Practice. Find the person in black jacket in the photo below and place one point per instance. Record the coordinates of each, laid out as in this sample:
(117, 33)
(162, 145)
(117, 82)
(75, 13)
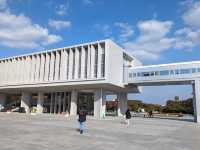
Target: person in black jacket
(128, 116)
(82, 120)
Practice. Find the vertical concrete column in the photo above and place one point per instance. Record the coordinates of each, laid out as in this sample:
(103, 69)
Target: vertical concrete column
(57, 69)
(40, 102)
(89, 62)
(42, 67)
(2, 100)
(76, 63)
(59, 103)
(28, 69)
(83, 62)
(196, 100)
(92, 60)
(63, 65)
(74, 99)
(99, 61)
(70, 64)
(25, 101)
(99, 103)
(64, 102)
(33, 64)
(122, 103)
(51, 104)
(52, 61)
(47, 64)
(55, 103)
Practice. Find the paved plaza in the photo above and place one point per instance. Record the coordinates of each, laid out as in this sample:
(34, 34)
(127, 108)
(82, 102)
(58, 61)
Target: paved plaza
(49, 132)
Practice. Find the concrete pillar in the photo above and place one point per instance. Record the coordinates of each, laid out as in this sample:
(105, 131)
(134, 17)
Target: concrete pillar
(40, 102)
(74, 98)
(59, 103)
(99, 61)
(51, 105)
(55, 103)
(99, 103)
(76, 63)
(122, 103)
(2, 100)
(25, 101)
(196, 100)
(83, 63)
(47, 64)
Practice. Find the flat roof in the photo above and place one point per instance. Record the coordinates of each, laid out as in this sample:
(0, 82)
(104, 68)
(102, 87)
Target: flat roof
(169, 64)
(55, 49)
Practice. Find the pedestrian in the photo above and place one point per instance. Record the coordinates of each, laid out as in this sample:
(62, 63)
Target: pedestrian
(82, 120)
(128, 116)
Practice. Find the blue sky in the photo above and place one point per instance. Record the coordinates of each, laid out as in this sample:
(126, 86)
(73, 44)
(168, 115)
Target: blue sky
(154, 31)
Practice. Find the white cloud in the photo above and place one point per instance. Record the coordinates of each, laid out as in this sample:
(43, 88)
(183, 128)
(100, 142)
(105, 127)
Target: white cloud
(188, 37)
(126, 30)
(59, 24)
(192, 15)
(105, 29)
(62, 9)
(20, 32)
(152, 39)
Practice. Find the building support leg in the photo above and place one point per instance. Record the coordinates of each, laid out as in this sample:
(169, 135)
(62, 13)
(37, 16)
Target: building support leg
(25, 101)
(40, 102)
(73, 107)
(196, 100)
(2, 100)
(122, 103)
(99, 103)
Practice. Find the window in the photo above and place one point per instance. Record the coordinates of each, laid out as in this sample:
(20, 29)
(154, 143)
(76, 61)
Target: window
(171, 72)
(184, 71)
(193, 70)
(145, 74)
(164, 72)
(130, 75)
(198, 69)
(177, 72)
(152, 74)
(156, 73)
(139, 74)
(134, 74)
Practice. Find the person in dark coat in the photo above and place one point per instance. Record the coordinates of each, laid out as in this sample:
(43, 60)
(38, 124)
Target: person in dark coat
(128, 116)
(82, 120)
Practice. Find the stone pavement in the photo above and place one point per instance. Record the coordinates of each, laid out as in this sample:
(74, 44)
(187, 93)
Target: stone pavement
(49, 132)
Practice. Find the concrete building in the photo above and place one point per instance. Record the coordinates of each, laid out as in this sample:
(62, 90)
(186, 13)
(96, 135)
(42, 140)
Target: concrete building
(67, 79)
(80, 76)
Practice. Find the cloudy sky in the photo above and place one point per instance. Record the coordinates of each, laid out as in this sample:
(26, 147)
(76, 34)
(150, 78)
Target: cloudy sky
(154, 31)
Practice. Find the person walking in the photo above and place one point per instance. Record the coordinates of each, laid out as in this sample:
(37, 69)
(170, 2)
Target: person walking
(128, 116)
(82, 120)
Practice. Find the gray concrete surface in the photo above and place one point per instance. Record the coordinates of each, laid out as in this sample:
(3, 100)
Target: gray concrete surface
(48, 132)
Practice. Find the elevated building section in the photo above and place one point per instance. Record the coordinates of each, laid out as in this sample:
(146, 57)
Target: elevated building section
(175, 73)
(169, 74)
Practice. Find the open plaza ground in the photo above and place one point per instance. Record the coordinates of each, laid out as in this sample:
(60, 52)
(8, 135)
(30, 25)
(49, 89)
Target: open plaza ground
(55, 132)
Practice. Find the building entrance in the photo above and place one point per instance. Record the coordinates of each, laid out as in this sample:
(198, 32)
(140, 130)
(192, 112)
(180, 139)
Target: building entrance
(56, 103)
(86, 102)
